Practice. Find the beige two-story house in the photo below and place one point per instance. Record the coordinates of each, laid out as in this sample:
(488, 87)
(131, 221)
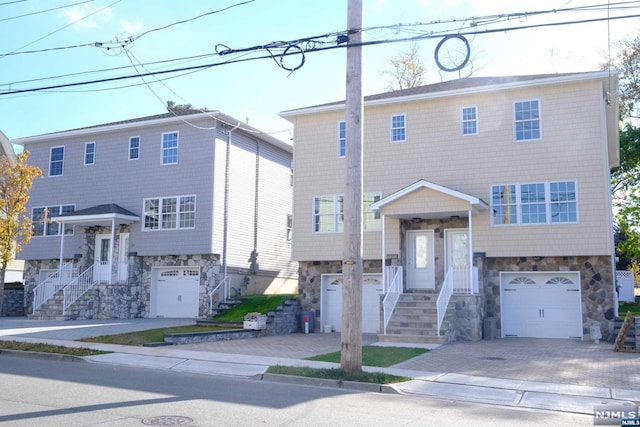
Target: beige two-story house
(486, 208)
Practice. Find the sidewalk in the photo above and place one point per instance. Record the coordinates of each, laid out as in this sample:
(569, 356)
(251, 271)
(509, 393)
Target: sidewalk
(499, 372)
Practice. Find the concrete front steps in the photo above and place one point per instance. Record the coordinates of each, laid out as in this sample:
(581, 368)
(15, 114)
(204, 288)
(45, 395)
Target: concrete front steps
(415, 320)
(52, 309)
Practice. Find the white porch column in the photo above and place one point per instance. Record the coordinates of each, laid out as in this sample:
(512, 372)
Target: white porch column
(111, 244)
(61, 228)
(470, 245)
(384, 268)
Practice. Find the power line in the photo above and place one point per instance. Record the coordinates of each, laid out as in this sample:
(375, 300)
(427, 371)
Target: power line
(42, 11)
(315, 46)
(113, 44)
(66, 26)
(11, 2)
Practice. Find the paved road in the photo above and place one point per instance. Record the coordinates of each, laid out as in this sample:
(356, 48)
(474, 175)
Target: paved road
(53, 393)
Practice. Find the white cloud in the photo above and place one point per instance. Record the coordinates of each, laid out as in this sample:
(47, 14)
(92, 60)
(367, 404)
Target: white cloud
(131, 28)
(86, 16)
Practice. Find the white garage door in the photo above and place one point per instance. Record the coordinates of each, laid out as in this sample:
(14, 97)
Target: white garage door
(541, 304)
(331, 302)
(175, 292)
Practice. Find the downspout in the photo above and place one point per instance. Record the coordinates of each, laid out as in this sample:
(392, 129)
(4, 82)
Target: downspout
(254, 254)
(225, 232)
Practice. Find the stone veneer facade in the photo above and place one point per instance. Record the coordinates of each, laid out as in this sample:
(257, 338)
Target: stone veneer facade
(467, 313)
(596, 287)
(129, 300)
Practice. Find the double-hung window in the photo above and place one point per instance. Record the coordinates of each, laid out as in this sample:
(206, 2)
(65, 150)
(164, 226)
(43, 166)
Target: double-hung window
(169, 213)
(170, 148)
(134, 148)
(527, 120)
(398, 128)
(342, 139)
(328, 214)
(534, 203)
(42, 220)
(56, 161)
(371, 218)
(289, 228)
(89, 153)
(469, 120)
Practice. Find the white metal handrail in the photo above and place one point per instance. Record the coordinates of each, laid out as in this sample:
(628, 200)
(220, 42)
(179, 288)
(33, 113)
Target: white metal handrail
(78, 287)
(216, 289)
(443, 298)
(52, 284)
(394, 289)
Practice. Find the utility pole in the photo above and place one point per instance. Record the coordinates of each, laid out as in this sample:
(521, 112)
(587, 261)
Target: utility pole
(351, 338)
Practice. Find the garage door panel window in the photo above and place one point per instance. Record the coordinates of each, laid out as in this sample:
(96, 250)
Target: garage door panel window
(534, 203)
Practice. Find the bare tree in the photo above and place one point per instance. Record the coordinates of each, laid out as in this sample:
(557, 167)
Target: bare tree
(406, 69)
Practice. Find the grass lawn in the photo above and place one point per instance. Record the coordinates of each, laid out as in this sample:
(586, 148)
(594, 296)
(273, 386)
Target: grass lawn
(337, 374)
(633, 307)
(253, 304)
(381, 357)
(48, 348)
(151, 335)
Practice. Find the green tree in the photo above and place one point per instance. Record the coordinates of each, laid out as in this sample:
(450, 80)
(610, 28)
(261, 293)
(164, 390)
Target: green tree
(172, 106)
(625, 178)
(16, 179)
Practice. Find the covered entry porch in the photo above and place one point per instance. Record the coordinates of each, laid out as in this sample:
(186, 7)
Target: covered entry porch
(102, 261)
(427, 245)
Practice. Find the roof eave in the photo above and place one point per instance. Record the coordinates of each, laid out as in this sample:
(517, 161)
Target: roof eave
(564, 78)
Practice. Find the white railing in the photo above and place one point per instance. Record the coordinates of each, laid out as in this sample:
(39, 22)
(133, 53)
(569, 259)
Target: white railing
(460, 280)
(393, 289)
(445, 295)
(52, 284)
(78, 287)
(224, 286)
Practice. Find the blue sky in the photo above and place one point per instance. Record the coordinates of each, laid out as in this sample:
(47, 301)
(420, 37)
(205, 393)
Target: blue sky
(257, 90)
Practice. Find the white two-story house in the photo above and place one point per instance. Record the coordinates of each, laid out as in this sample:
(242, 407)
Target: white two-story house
(486, 203)
(157, 216)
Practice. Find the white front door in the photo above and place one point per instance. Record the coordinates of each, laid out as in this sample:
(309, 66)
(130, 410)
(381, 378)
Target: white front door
(457, 258)
(420, 261)
(101, 258)
(123, 265)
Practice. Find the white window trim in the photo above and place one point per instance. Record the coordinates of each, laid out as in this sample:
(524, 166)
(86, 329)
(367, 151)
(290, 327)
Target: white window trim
(129, 153)
(372, 193)
(86, 145)
(513, 112)
(335, 213)
(178, 213)
(335, 198)
(404, 116)
(547, 202)
(44, 230)
(162, 149)
(463, 121)
(341, 156)
(63, 155)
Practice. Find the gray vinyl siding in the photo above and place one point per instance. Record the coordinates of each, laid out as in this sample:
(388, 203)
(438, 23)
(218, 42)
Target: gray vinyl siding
(200, 171)
(271, 165)
(115, 179)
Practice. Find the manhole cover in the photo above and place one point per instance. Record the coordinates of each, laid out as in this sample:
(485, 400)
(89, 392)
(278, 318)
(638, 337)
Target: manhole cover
(492, 358)
(167, 420)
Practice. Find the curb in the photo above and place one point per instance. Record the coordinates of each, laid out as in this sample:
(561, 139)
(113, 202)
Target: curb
(42, 355)
(320, 382)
